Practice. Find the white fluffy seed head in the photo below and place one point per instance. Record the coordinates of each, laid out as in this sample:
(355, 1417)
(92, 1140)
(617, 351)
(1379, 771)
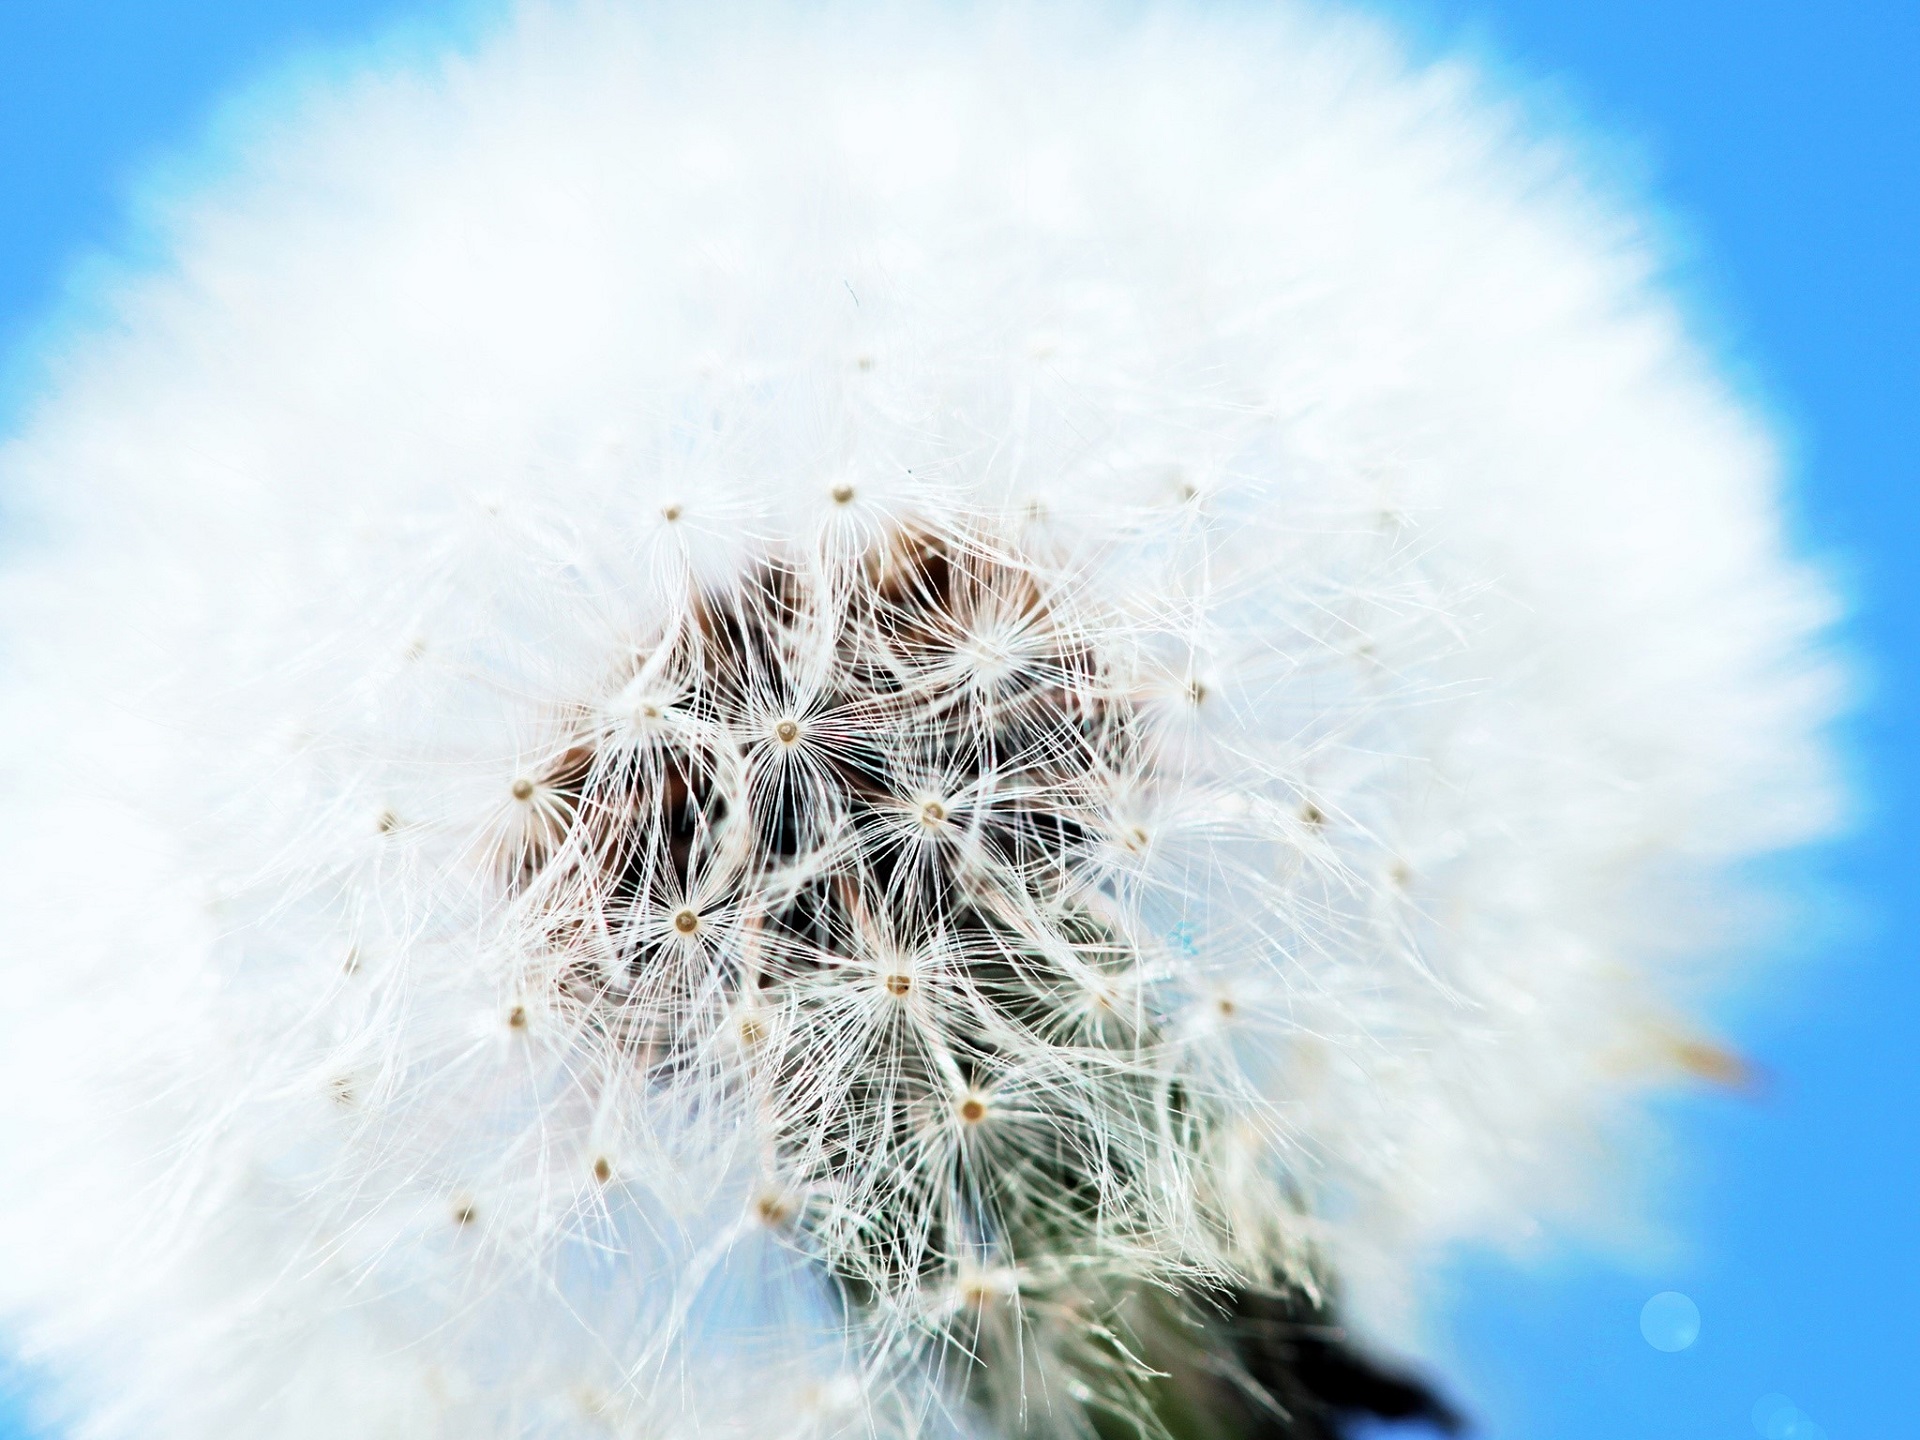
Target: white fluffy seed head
(934, 680)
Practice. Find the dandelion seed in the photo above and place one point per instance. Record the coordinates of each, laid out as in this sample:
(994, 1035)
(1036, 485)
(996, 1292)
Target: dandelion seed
(1714, 1064)
(594, 1404)
(979, 1288)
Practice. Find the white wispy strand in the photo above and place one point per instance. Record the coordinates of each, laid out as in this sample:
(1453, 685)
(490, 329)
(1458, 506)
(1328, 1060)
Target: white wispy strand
(1304, 814)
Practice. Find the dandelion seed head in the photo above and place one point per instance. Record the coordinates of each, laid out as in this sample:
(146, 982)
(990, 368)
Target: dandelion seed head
(1083, 723)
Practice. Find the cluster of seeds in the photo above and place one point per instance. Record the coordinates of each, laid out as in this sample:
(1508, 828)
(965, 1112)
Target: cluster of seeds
(852, 862)
(848, 848)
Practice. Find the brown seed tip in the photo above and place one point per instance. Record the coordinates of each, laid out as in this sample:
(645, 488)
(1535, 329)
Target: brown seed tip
(772, 1209)
(787, 731)
(973, 1109)
(523, 789)
(979, 1292)
(670, 513)
(602, 1169)
(899, 984)
(932, 812)
(1716, 1065)
(517, 1017)
(465, 1214)
(843, 494)
(686, 922)
(388, 822)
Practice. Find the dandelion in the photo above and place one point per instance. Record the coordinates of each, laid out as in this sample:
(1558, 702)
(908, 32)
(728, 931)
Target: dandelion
(879, 728)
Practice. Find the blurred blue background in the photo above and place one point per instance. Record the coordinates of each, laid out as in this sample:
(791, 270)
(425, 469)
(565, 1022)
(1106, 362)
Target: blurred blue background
(1782, 142)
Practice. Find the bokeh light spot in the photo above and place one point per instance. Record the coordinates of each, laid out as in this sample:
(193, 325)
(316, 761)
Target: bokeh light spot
(1670, 1321)
(1778, 1418)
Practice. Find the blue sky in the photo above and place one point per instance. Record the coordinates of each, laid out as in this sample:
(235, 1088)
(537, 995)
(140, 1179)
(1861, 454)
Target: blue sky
(1781, 141)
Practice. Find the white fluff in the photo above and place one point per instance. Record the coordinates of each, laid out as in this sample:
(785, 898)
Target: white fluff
(1351, 430)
